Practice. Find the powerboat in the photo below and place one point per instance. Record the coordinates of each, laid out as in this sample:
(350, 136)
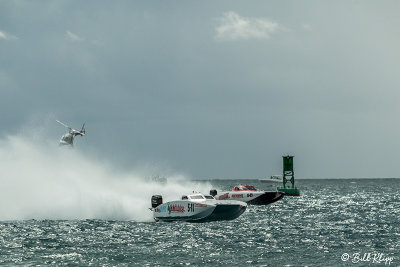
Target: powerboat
(196, 207)
(248, 194)
(273, 179)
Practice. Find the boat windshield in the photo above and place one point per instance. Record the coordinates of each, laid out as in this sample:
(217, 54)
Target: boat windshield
(209, 197)
(196, 197)
(250, 187)
(244, 188)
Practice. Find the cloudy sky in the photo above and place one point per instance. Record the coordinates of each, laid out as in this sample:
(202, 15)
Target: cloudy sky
(213, 89)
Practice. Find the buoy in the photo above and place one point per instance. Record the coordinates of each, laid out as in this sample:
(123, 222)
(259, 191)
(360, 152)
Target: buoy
(288, 175)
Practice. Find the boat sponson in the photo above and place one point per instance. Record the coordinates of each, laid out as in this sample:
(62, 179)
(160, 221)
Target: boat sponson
(267, 198)
(225, 212)
(290, 191)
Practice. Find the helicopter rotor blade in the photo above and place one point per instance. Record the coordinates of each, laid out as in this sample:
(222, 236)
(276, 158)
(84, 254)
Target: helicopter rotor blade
(63, 124)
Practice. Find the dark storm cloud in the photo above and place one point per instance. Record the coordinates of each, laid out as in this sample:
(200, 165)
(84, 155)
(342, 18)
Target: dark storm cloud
(217, 92)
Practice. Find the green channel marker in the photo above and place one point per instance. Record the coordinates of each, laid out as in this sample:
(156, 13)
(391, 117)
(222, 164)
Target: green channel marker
(288, 175)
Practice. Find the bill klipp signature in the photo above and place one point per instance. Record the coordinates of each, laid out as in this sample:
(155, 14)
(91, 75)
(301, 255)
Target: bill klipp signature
(372, 257)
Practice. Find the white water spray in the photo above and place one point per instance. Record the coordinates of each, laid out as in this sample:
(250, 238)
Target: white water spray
(43, 181)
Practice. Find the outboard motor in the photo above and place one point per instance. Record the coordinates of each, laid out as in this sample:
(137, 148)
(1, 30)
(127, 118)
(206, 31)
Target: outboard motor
(213, 192)
(156, 200)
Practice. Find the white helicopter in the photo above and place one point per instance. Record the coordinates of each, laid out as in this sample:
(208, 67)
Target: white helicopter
(68, 138)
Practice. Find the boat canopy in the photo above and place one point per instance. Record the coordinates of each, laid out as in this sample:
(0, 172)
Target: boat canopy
(244, 187)
(197, 196)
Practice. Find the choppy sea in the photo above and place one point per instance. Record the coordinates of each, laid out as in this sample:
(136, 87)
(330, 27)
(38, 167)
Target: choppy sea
(335, 222)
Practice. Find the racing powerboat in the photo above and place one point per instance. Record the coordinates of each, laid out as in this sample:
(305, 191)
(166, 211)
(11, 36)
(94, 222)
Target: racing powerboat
(273, 179)
(196, 207)
(248, 194)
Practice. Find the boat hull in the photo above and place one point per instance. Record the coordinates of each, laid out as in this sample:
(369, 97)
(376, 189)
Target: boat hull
(193, 211)
(182, 211)
(266, 198)
(225, 212)
(251, 197)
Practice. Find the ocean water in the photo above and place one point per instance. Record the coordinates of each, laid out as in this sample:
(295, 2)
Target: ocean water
(335, 222)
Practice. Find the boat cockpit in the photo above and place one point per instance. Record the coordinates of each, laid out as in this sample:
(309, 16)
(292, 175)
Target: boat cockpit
(197, 197)
(244, 188)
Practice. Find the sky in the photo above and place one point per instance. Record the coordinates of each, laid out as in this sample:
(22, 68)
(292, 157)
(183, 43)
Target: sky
(211, 89)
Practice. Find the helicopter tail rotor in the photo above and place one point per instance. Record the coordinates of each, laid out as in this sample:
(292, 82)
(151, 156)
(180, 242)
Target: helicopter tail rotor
(83, 131)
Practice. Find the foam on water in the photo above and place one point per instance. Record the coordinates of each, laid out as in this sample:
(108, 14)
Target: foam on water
(40, 180)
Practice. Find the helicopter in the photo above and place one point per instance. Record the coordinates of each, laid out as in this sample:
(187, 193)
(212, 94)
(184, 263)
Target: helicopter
(68, 138)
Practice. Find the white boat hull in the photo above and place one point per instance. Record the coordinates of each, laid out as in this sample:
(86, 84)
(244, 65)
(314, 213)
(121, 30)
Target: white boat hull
(194, 211)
